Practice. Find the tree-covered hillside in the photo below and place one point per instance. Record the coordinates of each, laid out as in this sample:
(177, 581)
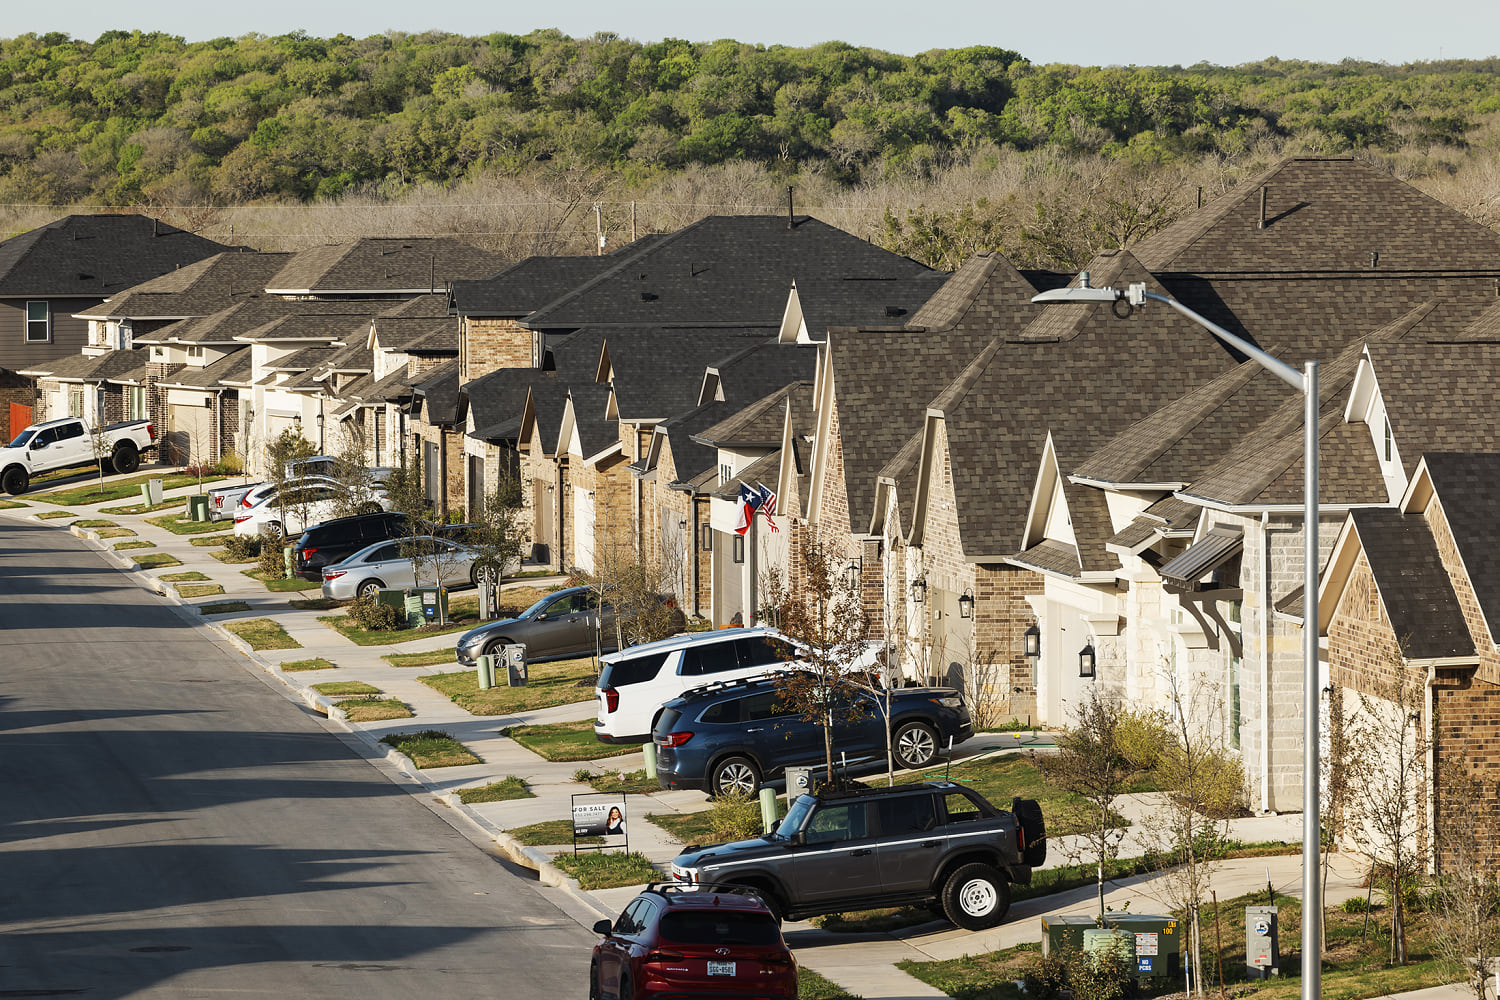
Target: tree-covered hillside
(133, 118)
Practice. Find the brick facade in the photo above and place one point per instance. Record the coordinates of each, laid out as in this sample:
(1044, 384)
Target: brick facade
(488, 344)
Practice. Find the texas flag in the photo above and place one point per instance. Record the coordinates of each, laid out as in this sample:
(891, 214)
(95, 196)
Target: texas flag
(750, 501)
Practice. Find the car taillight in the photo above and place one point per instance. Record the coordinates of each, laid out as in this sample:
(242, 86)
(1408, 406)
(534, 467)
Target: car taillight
(611, 699)
(776, 958)
(305, 554)
(241, 520)
(151, 430)
(658, 956)
(673, 739)
(333, 574)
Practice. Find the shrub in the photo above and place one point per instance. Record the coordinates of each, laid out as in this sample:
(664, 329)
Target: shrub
(198, 469)
(1047, 975)
(372, 616)
(1355, 904)
(230, 464)
(271, 561)
(735, 816)
(1097, 977)
(243, 546)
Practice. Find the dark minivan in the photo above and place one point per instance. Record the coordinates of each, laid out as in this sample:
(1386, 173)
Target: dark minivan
(327, 543)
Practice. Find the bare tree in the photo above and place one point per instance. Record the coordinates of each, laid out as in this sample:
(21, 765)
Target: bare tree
(288, 446)
(1205, 785)
(1465, 900)
(1387, 758)
(827, 621)
(1097, 762)
(501, 533)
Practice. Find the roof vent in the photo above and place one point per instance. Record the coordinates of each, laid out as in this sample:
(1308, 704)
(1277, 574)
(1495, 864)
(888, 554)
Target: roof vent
(85, 277)
(894, 311)
(1374, 259)
(1264, 189)
(648, 296)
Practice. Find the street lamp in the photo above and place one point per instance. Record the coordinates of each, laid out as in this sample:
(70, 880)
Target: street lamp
(1306, 382)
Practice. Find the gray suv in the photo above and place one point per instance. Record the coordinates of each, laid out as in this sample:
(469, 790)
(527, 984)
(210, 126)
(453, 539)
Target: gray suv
(935, 842)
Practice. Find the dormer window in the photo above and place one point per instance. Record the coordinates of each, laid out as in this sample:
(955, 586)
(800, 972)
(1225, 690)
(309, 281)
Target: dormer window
(158, 353)
(726, 473)
(1390, 442)
(195, 352)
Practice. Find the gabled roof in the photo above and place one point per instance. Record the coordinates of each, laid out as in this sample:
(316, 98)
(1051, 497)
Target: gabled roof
(1309, 215)
(528, 285)
(1415, 589)
(721, 270)
(394, 388)
(439, 391)
(760, 424)
(197, 289)
(95, 256)
(885, 378)
(658, 372)
(376, 265)
(82, 368)
(1462, 375)
(233, 367)
(499, 398)
(590, 404)
(864, 302)
(226, 326)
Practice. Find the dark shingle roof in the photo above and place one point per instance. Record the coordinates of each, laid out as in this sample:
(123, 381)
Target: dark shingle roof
(659, 372)
(233, 367)
(735, 270)
(1463, 376)
(1465, 486)
(864, 302)
(528, 284)
(111, 365)
(96, 255)
(759, 425)
(439, 391)
(1414, 587)
(339, 318)
(378, 264)
(1322, 214)
(197, 289)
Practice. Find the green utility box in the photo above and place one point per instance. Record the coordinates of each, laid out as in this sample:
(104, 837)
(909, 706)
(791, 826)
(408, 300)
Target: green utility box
(1065, 931)
(198, 508)
(434, 604)
(1158, 944)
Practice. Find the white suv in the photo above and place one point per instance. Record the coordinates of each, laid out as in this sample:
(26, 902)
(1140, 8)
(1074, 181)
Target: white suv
(635, 683)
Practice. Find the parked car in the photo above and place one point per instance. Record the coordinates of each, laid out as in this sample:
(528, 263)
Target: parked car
(68, 443)
(679, 940)
(224, 501)
(864, 848)
(441, 563)
(635, 683)
(567, 623)
(310, 500)
(335, 540)
(732, 737)
(328, 466)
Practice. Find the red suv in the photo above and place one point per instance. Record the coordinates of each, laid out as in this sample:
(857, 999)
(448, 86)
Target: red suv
(699, 940)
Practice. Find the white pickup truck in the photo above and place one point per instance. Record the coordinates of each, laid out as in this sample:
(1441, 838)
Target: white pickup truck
(69, 443)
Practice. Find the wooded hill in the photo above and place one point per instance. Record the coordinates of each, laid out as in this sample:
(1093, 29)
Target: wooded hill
(135, 118)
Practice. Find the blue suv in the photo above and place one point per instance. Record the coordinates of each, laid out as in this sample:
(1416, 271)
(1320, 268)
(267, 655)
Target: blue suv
(735, 736)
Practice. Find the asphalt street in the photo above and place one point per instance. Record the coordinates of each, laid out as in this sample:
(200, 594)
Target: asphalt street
(172, 826)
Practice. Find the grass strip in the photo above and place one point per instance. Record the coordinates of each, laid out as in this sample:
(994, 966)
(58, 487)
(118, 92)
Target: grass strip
(190, 576)
(114, 532)
(333, 688)
(623, 782)
(156, 560)
(317, 663)
(280, 584)
(204, 541)
(192, 590)
(812, 986)
(119, 489)
(355, 633)
(429, 659)
(225, 556)
(373, 709)
(431, 748)
(563, 682)
(179, 525)
(263, 633)
(94, 523)
(565, 741)
(137, 544)
(549, 833)
(51, 515)
(496, 791)
(607, 870)
(234, 607)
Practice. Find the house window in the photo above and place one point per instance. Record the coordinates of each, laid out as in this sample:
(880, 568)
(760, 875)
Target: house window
(1236, 626)
(38, 322)
(135, 402)
(75, 401)
(726, 473)
(1390, 445)
(195, 351)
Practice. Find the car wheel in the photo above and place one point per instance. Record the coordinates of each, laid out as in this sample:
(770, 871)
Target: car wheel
(915, 744)
(272, 530)
(369, 588)
(594, 991)
(16, 481)
(493, 648)
(975, 897)
(126, 459)
(735, 775)
(474, 576)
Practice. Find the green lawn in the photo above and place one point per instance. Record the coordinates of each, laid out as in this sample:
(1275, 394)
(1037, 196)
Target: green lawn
(12, 504)
(607, 869)
(143, 509)
(179, 525)
(225, 556)
(95, 492)
(429, 659)
(52, 515)
(280, 584)
(627, 783)
(192, 590)
(431, 748)
(496, 791)
(355, 633)
(373, 709)
(155, 560)
(227, 608)
(333, 688)
(562, 682)
(135, 544)
(263, 633)
(192, 576)
(94, 523)
(206, 541)
(317, 663)
(549, 832)
(565, 741)
(811, 986)
(114, 532)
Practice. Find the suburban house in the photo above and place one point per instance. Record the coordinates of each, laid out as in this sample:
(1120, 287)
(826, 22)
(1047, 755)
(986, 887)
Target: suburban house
(52, 273)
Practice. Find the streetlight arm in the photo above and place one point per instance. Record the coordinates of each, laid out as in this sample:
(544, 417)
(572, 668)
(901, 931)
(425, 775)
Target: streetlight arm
(1137, 295)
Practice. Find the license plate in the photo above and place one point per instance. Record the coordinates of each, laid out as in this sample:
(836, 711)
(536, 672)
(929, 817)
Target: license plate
(721, 968)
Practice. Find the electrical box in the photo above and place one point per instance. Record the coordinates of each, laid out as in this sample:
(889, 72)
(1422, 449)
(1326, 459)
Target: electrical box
(1262, 942)
(1158, 944)
(514, 658)
(1065, 931)
(799, 781)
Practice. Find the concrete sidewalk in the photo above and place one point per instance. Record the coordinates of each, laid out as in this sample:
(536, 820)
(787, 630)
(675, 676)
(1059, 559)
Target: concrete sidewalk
(862, 964)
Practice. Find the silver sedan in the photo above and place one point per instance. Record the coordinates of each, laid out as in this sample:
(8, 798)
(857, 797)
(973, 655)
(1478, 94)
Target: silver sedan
(422, 561)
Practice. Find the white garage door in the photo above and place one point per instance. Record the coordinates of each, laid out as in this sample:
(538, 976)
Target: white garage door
(190, 438)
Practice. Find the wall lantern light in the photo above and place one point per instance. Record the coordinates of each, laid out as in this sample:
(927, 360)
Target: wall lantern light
(919, 590)
(1086, 661)
(851, 574)
(1032, 638)
(739, 548)
(966, 605)
(706, 538)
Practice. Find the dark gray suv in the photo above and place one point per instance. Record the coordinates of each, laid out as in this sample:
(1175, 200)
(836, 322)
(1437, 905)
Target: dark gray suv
(938, 841)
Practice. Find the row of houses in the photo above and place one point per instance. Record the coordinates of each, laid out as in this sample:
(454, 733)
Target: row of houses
(1032, 501)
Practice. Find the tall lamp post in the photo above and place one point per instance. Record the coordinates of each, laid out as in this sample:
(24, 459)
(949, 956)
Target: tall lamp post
(1306, 382)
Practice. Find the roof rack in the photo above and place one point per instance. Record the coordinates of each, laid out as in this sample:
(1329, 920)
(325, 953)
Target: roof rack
(714, 687)
(855, 790)
(667, 890)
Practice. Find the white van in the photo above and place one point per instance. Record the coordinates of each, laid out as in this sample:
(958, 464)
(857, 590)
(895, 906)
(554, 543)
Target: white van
(636, 682)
